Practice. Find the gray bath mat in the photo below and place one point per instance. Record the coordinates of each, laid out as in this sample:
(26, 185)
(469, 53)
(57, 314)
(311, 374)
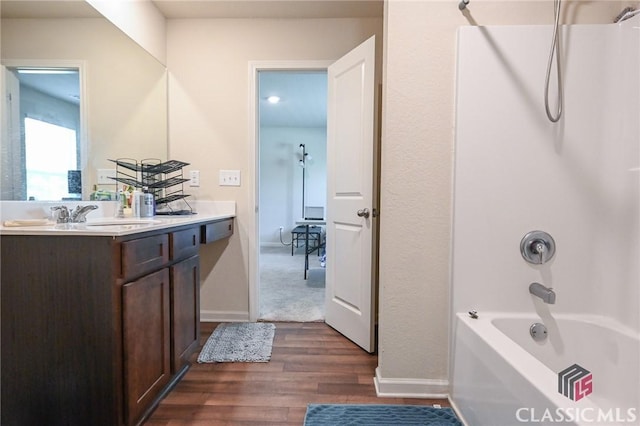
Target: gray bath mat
(239, 342)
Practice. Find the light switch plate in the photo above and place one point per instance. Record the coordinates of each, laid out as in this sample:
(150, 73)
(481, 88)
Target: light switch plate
(229, 177)
(194, 176)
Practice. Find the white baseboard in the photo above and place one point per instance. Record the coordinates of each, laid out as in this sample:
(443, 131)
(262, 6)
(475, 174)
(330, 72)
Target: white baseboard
(224, 316)
(410, 388)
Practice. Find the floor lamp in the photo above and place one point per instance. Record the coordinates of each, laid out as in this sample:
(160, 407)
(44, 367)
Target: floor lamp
(303, 164)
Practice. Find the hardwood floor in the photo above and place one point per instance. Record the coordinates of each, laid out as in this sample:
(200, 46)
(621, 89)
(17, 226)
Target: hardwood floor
(310, 363)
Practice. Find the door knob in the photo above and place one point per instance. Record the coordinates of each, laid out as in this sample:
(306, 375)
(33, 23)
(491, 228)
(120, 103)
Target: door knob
(364, 213)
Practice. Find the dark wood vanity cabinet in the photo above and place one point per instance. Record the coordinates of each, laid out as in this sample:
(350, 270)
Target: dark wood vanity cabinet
(146, 341)
(96, 329)
(185, 311)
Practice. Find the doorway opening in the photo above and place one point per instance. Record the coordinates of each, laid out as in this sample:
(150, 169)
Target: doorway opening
(43, 132)
(292, 133)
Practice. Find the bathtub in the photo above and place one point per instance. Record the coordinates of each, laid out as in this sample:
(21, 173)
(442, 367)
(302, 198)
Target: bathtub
(502, 377)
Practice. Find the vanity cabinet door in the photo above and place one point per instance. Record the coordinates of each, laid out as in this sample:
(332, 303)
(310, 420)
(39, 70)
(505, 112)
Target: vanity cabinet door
(185, 311)
(146, 341)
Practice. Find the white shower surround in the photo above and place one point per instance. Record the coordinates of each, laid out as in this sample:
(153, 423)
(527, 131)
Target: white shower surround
(578, 180)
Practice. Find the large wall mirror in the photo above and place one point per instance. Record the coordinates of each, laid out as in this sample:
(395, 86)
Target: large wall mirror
(87, 94)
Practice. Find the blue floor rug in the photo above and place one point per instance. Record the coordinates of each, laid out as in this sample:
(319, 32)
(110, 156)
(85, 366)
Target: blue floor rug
(378, 415)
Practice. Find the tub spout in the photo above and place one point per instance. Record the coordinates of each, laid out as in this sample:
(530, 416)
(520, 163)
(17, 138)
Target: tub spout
(545, 293)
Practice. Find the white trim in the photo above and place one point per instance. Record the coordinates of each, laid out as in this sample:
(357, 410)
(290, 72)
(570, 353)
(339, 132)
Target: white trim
(410, 388)
(224, 316)
(254, 178)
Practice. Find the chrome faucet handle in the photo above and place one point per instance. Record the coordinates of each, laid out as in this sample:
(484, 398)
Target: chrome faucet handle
(537, 247)
(61, 214)
(540, 247)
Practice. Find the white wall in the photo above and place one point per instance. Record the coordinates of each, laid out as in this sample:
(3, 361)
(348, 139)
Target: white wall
(416, 182)
(517, 172)
(208, 62)
(281, 178)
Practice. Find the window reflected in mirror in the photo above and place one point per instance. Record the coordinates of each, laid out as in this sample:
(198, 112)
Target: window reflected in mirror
(50, 153)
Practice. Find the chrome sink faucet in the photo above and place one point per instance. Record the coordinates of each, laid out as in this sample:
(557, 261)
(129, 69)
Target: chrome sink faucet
(545, 293)
(77, 215)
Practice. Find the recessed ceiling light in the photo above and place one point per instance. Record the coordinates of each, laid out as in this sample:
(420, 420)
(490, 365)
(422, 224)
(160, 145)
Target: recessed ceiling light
(273, 99)
(46, 71)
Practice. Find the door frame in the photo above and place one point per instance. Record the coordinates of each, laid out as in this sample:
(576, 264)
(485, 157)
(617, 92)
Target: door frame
(254, 167)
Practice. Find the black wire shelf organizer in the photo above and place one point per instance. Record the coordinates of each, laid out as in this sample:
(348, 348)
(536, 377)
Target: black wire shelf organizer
(165, 180)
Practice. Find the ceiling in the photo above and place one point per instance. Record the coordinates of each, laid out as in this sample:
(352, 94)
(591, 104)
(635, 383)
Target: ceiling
(65, 86)
(174, 9)
(303, 98)
(270, 8)
(47, 9)
(303, 94)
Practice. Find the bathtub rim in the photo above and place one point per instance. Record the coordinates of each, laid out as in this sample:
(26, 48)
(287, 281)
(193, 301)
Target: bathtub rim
(598, 320)
(545, 380)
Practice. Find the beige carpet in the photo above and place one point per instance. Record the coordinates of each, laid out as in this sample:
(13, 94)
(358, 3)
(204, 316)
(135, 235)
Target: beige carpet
(284, 293)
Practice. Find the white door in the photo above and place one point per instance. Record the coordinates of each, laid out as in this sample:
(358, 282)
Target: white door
(350, 291)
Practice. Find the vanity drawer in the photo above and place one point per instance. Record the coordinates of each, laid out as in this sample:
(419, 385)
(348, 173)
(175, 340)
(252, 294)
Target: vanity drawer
(217, 230)
(144, 255)
(185, 243)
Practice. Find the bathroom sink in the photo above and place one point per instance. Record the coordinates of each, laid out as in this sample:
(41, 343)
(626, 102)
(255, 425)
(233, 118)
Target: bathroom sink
(125, 221)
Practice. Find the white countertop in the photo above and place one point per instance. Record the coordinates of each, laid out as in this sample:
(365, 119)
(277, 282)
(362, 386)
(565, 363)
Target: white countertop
(101, 222)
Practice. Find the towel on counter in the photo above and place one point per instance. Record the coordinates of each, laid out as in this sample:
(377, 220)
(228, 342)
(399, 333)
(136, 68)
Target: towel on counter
(28, 222)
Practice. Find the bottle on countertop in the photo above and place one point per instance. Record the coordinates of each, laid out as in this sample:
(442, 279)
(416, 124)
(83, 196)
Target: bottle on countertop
(147, 204)
(136, 203)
